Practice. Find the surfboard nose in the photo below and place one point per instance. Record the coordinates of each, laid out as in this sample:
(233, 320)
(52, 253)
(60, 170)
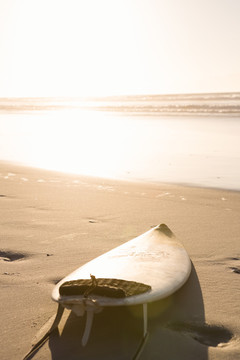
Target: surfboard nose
(163, 228)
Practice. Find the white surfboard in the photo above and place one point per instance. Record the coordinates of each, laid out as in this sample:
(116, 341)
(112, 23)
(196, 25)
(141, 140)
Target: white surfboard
(155, 259)
(152, 266)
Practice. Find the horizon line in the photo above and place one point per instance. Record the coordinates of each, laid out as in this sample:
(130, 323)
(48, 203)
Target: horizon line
(88, 97)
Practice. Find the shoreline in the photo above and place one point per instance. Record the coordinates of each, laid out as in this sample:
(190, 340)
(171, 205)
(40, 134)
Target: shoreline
(54, 222)
(126, 180)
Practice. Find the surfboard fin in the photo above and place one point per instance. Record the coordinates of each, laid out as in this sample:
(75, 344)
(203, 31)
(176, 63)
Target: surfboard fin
(88, 327)
(90, 307)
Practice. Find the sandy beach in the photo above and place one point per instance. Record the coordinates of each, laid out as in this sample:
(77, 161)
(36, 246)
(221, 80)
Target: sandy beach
(51, 223)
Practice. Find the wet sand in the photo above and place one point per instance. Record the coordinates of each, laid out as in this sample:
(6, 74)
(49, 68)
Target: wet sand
(51, 223)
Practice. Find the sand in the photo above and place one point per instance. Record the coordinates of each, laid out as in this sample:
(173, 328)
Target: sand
(51, 223)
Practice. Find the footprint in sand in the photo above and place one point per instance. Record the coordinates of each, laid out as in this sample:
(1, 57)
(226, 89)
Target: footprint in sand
(11, 256)
(235, 258)
(210, 335)
(228, 262)
(92, 221)
(234, 269)
(11, 274)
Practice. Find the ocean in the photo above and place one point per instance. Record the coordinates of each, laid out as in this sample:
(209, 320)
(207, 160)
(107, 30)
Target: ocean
(188, 139)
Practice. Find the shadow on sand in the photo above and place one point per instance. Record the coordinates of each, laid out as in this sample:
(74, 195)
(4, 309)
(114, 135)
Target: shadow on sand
(176, 325)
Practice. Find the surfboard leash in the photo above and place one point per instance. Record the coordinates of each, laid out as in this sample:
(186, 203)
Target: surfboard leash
(91, 288)
(45, 337)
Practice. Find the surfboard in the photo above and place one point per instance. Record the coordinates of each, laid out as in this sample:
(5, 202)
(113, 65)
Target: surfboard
(147, 268)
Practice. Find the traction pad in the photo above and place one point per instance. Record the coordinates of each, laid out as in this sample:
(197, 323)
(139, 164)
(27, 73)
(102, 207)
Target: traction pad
(114, 288)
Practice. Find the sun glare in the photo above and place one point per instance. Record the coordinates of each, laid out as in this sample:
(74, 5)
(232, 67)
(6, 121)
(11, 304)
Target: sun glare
(81, 142)
(90, 143)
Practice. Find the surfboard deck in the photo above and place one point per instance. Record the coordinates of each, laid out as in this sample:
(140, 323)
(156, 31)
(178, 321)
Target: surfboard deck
(155, 258)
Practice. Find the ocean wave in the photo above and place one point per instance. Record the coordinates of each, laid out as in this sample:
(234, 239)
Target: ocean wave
(171, 104)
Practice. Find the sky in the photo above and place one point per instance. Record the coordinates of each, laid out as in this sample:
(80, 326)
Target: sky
(118, 47)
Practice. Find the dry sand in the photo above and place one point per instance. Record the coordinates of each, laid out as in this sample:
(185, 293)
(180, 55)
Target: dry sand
(51, 223)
